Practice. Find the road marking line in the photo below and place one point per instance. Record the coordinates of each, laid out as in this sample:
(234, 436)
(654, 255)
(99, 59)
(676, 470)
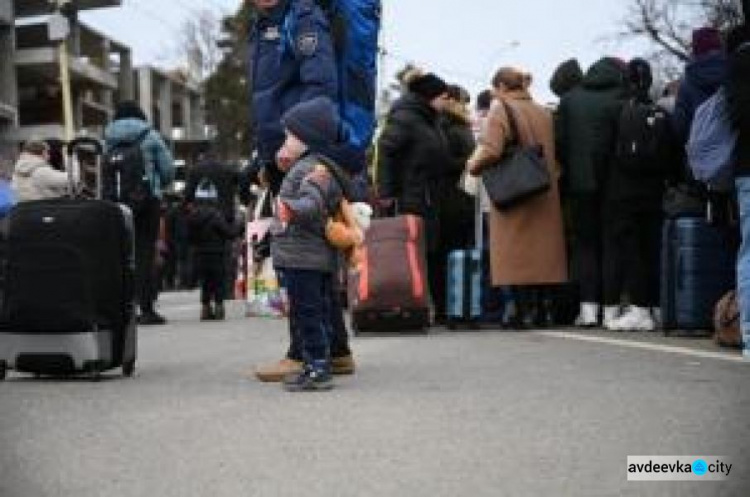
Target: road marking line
(180, 308)
(705, 354)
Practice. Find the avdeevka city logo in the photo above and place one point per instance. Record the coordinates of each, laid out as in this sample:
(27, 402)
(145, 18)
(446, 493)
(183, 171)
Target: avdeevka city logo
(679, 468)
(700, 467)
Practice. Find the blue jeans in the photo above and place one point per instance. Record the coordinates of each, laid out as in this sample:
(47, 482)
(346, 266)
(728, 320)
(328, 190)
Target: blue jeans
(310, 314)
(743, 261)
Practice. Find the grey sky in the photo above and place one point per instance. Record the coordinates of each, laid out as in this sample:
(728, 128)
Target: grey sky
(462, 41)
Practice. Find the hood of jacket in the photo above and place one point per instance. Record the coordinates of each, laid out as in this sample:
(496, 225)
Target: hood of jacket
(125, 130)
(604, 75)
(707, 72)
(567, 76)
(28, 163)
(414, 104)
(457, 112)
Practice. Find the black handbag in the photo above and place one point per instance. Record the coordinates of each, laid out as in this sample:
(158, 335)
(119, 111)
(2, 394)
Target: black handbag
(520, 174)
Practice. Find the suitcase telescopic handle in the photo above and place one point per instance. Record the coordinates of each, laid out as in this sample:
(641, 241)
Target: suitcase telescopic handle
(90, 145)
(85, 141)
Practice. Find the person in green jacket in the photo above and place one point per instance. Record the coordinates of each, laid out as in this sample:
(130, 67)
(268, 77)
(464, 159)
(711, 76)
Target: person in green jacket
(586, 132)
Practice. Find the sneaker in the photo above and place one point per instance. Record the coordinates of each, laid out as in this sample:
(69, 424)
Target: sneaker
(151, 318)
(309, 380)
(343, 365)
(219, 312)
(276, 372)
(634, 319)
(207, 314)
(611, 314)
(589, 316)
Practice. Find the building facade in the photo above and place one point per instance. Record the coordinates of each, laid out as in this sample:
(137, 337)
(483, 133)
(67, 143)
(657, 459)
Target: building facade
(101, 75)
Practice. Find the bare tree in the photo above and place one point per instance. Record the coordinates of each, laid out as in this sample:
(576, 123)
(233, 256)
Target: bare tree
(199, 43)
(668, 24)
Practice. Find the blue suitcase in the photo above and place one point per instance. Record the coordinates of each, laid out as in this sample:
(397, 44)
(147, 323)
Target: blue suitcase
(698, 268)
(464, 299)
(466, 278)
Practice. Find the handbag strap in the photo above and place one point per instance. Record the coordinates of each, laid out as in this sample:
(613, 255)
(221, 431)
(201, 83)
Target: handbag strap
(513, 121)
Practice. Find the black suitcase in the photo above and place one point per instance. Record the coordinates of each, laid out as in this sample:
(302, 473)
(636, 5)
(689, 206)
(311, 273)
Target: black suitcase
(698, 268)
(68, 300)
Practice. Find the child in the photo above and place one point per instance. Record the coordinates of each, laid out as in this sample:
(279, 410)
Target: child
(310, 195)
(209, 233)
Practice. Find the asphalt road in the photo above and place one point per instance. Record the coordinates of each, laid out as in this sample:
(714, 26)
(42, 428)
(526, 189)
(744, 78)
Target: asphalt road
(450, 414)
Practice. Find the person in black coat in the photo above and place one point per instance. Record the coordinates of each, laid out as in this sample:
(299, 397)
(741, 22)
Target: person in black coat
(457, 207)
(209, 233)
(412, 148)
(413, 158)
(633, 211)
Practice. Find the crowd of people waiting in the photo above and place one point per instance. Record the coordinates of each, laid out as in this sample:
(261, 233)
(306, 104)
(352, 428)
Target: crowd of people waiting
(591, 239)
(599, 225)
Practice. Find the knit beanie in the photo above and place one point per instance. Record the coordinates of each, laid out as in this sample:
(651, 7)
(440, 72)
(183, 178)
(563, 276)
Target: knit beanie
(428, 86)
(706, 40)
(316, 122)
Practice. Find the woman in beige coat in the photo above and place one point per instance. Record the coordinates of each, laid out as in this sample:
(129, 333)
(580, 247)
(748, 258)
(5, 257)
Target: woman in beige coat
(527, 246)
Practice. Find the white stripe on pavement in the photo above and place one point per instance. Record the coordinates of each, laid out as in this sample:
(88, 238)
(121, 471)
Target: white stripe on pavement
(704, 354)
(180, 308)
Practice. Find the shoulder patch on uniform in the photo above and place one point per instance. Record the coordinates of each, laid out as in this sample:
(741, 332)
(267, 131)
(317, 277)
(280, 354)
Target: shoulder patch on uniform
(307, 43)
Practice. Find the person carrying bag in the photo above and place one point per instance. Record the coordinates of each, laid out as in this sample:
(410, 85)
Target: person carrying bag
(516, 159)
(520, 174)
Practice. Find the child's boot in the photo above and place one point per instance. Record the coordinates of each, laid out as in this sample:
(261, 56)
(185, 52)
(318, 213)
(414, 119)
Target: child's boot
(207, 314)
(219, 312)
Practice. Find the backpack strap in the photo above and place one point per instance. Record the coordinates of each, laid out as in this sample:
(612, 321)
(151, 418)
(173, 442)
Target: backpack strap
(338, 175)
(142, 137)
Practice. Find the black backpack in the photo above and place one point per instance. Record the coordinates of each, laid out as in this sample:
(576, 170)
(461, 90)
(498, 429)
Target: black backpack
(645, 140)
(125, 177)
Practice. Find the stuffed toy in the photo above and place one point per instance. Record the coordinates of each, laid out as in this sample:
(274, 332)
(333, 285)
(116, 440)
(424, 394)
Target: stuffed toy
(346, 229)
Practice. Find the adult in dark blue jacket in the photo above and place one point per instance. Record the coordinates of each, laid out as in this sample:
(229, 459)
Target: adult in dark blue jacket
(292, 60)
(704, 74)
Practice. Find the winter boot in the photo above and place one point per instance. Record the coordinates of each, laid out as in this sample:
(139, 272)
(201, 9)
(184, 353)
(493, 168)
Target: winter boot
(276, 372)
(207, 314)
(220, 313)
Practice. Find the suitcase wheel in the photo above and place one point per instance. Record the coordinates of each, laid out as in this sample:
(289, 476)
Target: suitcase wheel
(128, 369)
(3, 370)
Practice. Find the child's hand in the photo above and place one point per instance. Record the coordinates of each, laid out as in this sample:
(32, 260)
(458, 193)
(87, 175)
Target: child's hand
(284, 212)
